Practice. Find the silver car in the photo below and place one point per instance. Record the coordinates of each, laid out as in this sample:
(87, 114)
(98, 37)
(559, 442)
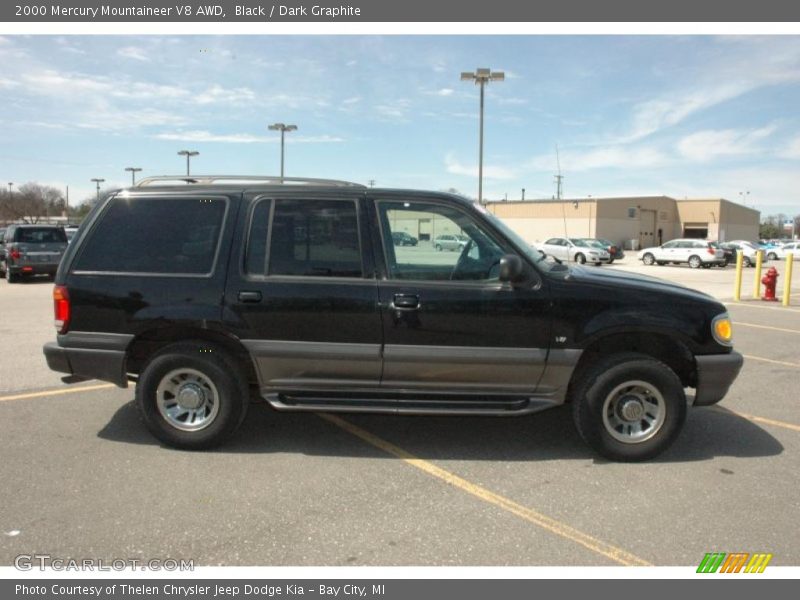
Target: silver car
(449, 242)
(32, 250)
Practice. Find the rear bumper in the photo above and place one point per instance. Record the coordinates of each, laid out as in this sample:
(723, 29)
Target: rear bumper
(33, 268)
(82, 363)
(715, 374)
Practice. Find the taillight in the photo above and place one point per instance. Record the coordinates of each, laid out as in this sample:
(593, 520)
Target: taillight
(712, 251)
(613, 250)
(61, 308)
(14, 254)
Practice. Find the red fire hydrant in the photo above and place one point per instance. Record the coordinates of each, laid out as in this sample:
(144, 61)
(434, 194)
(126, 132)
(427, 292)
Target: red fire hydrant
(770, 281)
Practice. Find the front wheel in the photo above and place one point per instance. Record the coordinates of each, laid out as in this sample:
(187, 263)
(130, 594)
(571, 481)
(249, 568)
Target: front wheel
(628, 407)
(192, 396)
(747, 262)
(772, 256)
(438, 248)
(648, 259)
(580, 259)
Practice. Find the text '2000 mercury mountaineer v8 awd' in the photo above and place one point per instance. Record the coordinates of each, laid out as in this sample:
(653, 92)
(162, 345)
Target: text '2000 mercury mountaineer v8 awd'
(293, 291)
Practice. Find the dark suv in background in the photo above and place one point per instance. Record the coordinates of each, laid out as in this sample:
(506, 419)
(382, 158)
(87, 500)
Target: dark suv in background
(31, 250)
(291, 291)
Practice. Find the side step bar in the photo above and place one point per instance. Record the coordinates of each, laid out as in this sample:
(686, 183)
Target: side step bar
(484, 406)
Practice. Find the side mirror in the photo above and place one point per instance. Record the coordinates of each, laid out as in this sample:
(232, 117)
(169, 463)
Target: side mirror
(510, 268)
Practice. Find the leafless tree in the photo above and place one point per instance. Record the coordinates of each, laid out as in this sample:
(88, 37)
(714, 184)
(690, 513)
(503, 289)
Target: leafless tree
(31, 202)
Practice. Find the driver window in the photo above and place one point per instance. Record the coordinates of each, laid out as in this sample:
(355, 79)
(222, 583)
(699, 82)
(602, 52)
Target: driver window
(435, 242)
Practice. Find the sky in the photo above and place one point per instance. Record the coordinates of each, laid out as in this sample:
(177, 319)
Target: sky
(684, 116)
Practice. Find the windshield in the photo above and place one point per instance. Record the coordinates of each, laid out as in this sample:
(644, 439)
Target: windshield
(529, 251)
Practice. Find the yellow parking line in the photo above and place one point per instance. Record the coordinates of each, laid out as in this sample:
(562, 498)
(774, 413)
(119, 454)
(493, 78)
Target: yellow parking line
(71, 390)
(561, 529)
(738, 323)
(758, 419)
(771, 361)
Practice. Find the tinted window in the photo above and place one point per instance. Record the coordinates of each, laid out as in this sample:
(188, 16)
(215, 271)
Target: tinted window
(155, 235)
(41, 235)
(315, 237)
(670, 245)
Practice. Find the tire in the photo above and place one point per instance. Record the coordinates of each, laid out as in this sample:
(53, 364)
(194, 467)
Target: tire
(695, 262)
(772, 256)
(706, 265)
(3, 270)
(438, 248)
(661, 263)
(580, 259)
(207, 376)
(12, 277)
(648, 259)
(647, 389)
(746, 261)
(611, 262)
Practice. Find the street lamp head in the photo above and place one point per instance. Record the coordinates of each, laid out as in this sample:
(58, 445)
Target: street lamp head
(188, 153)
(133, 169)
(290, 128)
(97, 180)
(276, 126)
(467, 76)
(498, 76)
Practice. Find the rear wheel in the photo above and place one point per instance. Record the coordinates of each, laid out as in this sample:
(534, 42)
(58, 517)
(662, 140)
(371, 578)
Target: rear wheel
(192, 396)
(695, 261)
(648, 259)
(12, 277)
(628, 407)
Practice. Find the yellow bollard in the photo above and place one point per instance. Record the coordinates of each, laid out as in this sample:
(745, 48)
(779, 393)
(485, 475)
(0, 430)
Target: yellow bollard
(787, 282)
(757, 278)
(737, 285)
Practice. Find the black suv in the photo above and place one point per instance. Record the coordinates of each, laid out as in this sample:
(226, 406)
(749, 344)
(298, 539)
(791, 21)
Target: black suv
(212, 293)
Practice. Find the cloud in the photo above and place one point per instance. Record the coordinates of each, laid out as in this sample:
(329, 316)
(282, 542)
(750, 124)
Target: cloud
(444, 92)
(397, 109)
(608, 157)
(489, 171)
(243, 138)
(791, 150)
(133, 53)
(707, 145)
(216, 93)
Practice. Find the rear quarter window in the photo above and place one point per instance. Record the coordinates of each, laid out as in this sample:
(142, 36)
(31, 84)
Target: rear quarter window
(155, 235)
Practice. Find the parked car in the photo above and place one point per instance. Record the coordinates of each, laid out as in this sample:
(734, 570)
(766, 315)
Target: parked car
(780, 253)
(615, 251)
(696, 253)
(257, 307)
(449, 242)
(402, 238)
(32, 250)
(749, 251)
(2, 244)
(728, 253)
(575, 250)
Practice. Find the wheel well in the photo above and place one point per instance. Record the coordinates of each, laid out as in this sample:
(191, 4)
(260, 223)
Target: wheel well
(671, 352)
(150, 342)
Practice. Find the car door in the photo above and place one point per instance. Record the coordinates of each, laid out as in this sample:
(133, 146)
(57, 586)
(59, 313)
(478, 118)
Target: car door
(449, 324)
(667, 252)
(302, 295)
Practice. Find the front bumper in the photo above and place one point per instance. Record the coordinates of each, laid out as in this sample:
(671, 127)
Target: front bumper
(715, 374)
(81, 364)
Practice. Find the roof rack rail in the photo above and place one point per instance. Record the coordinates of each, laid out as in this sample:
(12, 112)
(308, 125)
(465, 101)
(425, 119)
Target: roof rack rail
(231, 179)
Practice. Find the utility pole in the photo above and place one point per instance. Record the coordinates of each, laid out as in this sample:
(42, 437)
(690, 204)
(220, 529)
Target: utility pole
(283, 128)
(188, 154)
(98, 181)
(559, 177)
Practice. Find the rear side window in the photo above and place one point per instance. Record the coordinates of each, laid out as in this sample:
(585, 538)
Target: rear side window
(155, 235)
(317, 238)
(41, 235)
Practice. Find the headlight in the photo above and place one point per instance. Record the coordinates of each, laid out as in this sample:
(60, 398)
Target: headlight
(722, 329)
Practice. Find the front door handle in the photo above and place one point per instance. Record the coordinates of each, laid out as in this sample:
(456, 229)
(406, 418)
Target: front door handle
(405, 302)
(253, 297)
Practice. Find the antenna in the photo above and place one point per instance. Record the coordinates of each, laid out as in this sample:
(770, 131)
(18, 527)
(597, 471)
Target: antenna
(558, 177)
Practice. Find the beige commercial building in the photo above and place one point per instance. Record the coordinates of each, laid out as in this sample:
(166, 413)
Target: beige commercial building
(633, 222)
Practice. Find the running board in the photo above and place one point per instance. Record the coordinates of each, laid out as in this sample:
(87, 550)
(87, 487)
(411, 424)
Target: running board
(424, 405)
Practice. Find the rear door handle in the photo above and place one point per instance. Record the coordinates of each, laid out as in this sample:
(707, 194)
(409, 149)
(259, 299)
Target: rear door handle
(249, 296)
(405, 302)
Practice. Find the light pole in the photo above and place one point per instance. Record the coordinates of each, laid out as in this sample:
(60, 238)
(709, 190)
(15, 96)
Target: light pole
(188, 154)
(743, 196)
(481, 77)
(98, 181)
(133, 171)
(283, 129)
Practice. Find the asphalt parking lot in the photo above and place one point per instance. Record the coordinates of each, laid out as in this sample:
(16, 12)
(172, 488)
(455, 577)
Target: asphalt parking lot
(83, 478)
